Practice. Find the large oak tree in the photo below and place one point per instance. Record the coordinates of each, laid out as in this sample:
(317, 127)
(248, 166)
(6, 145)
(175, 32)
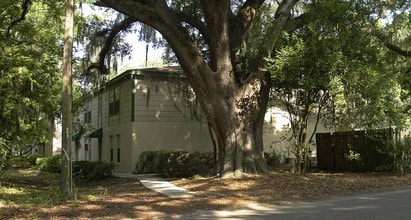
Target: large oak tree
(233, 95)
(221, 46)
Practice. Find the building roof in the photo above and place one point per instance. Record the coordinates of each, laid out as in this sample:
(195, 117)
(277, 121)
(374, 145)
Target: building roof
(167, 71)
(140, 73)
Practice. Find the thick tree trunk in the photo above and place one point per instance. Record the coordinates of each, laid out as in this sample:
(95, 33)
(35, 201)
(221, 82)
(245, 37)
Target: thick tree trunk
(239, 128)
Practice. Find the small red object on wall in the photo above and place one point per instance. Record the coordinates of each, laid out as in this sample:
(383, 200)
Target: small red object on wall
(86, 147)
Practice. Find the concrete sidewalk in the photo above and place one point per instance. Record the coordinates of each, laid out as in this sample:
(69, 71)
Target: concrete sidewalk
(158, 184)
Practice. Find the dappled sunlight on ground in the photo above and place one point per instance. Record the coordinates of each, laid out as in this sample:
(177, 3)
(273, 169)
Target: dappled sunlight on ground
(116, 198)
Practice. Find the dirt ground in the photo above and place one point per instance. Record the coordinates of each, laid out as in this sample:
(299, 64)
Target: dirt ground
(116, 198)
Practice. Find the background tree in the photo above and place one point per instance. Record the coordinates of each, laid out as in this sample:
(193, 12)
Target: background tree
(333, 70)
(29, 72)
(66, 110)
(301, 74)
(370, 92)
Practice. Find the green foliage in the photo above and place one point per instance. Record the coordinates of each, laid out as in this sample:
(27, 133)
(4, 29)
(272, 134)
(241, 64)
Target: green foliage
(272, 159)
(92, 170)
(174, 163)
(406, 156)
(23, 161)
(49, 164)
(331, 69)
(84, 170)
(399, 153)
(3, 154)
(353, 156)
(31, 194)
(32, 159)
(18, 162)
(30, 52)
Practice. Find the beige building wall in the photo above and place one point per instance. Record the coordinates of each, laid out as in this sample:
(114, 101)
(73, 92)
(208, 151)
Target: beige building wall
(157, 112)
(55, 143)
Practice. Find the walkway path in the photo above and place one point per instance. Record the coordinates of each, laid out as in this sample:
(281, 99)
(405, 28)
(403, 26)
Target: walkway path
(385, 205)
(159, 185)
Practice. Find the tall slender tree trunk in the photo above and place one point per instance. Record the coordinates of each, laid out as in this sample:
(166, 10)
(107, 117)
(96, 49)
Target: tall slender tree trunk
(66, 99)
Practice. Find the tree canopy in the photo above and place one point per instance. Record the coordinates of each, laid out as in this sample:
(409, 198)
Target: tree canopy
(334, 71)
(30, 54)
(221, 46)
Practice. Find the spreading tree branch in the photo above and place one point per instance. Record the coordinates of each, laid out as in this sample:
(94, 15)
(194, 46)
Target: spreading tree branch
(282, 17)
(25, 6)
(117, 28)
(194, 22)
(395, 48)
(239, 26)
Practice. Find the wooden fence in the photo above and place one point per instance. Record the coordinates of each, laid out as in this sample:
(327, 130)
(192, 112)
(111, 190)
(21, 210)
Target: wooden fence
(353, 150)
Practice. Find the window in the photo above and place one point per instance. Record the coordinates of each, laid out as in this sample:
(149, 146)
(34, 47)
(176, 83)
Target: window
(87, 113)
(87, 117)
(132, 102)
(114, 100)
(118, 148)
(99, 111)
(111, 149)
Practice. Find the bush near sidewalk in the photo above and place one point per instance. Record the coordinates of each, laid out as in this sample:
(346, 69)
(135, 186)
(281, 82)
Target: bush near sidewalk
(92, 170)
(175, 163)
(85, 170)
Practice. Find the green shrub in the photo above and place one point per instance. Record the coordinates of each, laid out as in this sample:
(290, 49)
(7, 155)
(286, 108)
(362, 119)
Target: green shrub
(398, 155)
(272, 159)
(32, 159)
(407, 152)
(174, 163)
(49, 164)
(3, 160)
(92, 170)
(161, 162)
(24, 162)
(87, 170)
(146, 162)
(18, 162)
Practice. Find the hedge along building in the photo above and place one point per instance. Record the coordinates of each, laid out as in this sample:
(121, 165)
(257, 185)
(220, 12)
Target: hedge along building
(155, 109)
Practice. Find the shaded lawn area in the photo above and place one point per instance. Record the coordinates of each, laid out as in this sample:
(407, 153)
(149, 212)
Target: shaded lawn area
(27, 194)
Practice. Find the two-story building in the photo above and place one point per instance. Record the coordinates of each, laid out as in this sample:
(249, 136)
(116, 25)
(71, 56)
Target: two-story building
(142, 110)
(155, 109)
